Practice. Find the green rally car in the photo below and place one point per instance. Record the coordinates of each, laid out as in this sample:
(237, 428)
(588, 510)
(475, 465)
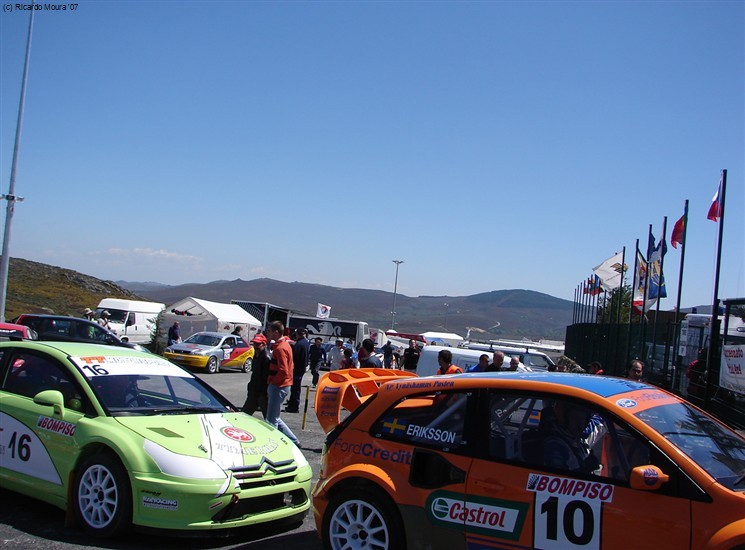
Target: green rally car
(121, 438)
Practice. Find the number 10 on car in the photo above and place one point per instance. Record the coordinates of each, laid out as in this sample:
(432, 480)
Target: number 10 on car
(561, 521)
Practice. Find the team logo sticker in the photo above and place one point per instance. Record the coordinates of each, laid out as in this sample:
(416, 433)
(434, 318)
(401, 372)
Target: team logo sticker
(237, 434)
(626, 403)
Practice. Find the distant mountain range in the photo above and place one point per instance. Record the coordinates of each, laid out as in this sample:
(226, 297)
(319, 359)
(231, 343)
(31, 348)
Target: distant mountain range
(500, 313)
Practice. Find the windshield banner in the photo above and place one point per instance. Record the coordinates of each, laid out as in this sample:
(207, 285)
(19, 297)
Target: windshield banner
(731, 374)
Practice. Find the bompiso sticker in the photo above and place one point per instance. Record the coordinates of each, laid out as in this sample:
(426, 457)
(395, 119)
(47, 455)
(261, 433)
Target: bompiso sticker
(237, 434)
(577, 488)
(57, 426)
(626, 403)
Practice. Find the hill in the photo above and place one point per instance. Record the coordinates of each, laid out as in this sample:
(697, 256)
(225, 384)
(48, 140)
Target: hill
(507, 313)
(40, 288)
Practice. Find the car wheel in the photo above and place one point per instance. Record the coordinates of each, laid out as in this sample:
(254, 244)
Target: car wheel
(102, 496)
(212, 366)
(362, 519)
(246, 365)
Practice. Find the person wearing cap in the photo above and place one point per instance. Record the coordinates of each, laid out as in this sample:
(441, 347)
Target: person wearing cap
(256, 390)
(104, 320)
(88, 314)
(335, 355)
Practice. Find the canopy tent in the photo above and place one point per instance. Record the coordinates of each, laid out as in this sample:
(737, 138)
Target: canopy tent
(449, 338)
(197, 315)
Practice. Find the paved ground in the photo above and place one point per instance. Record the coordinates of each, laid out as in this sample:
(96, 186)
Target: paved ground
(27, 523)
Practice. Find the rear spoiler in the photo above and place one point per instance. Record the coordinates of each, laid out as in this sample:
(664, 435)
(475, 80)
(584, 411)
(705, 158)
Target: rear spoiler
(348, 389)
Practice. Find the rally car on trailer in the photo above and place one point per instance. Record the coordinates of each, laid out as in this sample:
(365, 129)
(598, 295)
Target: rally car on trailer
(532, 460)
(122, 438)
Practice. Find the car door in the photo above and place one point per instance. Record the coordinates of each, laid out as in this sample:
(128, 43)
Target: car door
(546, 493)
(38, 439)
(425, 446)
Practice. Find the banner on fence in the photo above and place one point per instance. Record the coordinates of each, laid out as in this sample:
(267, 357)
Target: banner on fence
(731, 374)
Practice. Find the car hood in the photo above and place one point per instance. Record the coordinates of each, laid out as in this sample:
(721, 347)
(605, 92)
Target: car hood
(188, 348)
(232, 440)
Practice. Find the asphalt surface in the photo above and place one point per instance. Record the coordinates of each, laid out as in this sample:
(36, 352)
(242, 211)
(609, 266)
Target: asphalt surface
(28, 523)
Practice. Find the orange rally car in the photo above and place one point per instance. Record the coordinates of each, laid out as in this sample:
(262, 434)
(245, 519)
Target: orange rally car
(522, 460)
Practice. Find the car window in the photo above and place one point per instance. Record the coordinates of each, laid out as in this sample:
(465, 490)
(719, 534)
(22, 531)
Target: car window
(203, 340)
(229, 341)
(57, 327)
(435, 420)
(29, 374)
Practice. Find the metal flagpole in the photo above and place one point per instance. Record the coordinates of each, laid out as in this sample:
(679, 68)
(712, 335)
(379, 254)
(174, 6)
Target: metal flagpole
(676, 338)
(11, 196)
(713, 356)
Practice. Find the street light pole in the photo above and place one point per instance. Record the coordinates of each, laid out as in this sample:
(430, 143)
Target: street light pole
(395, 288)
(11, 196)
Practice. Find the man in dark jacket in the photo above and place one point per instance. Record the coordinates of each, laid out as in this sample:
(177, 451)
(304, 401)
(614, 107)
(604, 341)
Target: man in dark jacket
(256, 392)
(317, 357)
(300, 358)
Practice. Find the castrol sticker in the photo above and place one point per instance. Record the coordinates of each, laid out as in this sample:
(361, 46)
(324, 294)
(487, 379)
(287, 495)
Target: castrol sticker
(567, 513)
(490, 517)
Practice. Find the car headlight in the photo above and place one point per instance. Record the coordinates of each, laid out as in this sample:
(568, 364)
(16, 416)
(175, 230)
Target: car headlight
(175, 464)
(299, 457)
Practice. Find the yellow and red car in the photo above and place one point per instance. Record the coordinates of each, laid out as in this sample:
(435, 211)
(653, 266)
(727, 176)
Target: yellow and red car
(212, 351)
(523, 460)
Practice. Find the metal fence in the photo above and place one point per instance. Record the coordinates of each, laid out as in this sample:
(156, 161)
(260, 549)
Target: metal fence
(615, 345)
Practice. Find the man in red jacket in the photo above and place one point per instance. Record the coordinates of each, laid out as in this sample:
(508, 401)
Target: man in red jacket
(280, 378)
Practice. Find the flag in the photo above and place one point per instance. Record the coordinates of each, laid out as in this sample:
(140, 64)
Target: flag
(610, 272)
(715, 210)
(593, 286)
(323, 311)
(640, 283)
(677, 237)
(656, 278)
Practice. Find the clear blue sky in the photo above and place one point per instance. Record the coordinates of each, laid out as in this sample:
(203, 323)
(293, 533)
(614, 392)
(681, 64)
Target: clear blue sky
(489, 145)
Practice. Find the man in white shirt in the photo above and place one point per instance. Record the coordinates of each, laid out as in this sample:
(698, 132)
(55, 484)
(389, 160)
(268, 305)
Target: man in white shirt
(335, 355)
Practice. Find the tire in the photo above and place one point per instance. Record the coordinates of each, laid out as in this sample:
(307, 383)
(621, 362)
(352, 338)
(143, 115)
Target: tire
(363, 518)
(212, 366)
(246, 365)
(102, 496)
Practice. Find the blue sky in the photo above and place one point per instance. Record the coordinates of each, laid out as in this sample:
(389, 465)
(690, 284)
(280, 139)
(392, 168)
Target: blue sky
(489, 145)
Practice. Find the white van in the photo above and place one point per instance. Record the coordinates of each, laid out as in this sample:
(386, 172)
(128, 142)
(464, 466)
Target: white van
(532, 358)
(131, 320)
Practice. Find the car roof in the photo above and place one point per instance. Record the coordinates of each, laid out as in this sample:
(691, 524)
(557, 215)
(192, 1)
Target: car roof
(212, 333)
(76, 348)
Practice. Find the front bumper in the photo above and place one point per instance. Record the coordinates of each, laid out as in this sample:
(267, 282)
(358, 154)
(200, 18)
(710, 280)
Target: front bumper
(165, 502)
(187, 360)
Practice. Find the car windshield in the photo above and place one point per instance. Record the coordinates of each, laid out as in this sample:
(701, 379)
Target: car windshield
(717, 449)
(115, 315)
(203, 340)
(126, 394)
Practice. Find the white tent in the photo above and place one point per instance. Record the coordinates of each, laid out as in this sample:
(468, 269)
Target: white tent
(196, 315)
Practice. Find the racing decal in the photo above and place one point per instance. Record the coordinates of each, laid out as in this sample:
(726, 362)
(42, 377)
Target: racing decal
(22, 451)
(490, 517)
(626, 403)
(641, 400)
(57, 426)
(567, 513)
(428, 384)
(328, 389)
(392, 426)
(160, 503)
(369, 450)
(92, 366)
(239, 434)
(430, 434)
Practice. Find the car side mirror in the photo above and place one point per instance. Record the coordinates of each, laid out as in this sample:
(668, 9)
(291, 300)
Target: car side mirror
(51, 398)
(647, 478)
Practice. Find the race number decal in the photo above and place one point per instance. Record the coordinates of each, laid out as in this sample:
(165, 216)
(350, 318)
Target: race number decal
(567, 512)
(23, 452)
